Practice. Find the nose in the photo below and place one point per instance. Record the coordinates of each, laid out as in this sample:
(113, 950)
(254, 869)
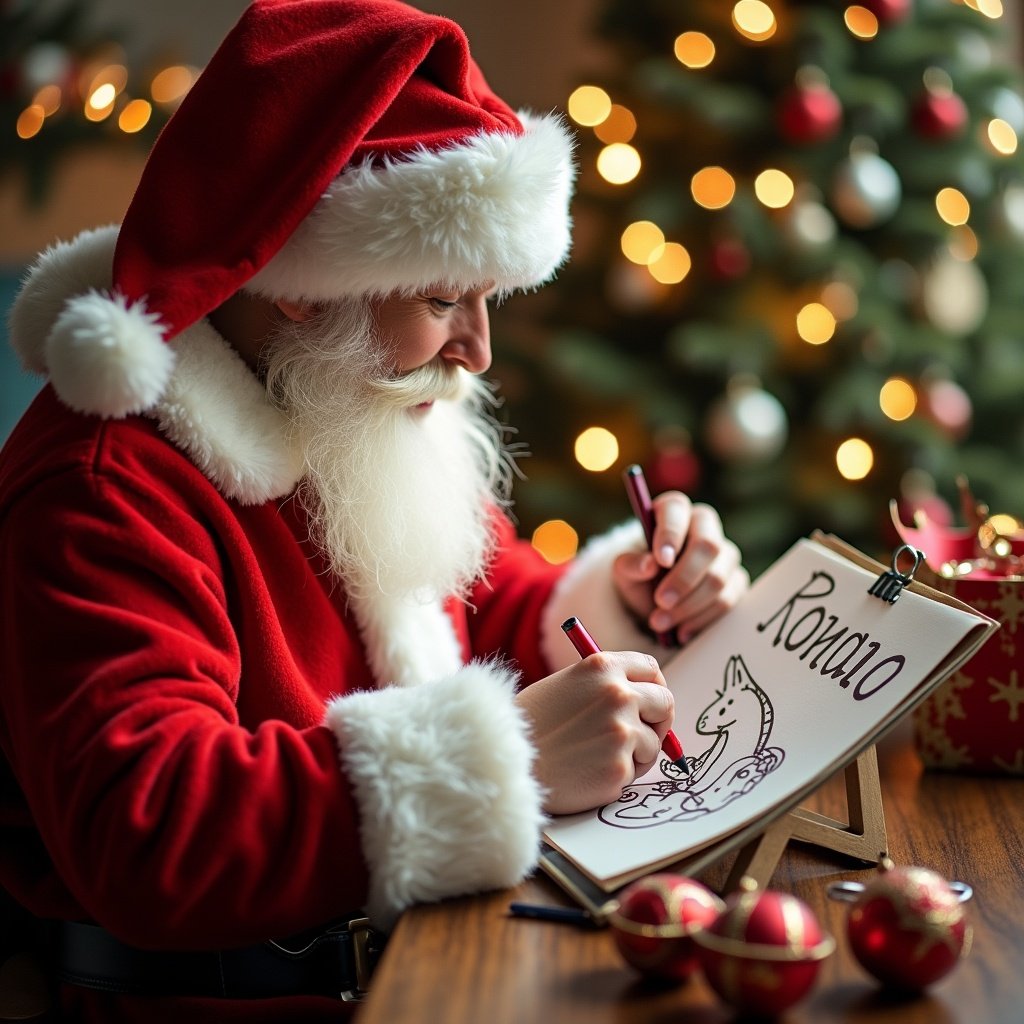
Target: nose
(469, 344)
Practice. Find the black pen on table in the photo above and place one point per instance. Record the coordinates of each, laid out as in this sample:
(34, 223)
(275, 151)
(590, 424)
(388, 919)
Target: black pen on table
(586, 645)
(561, 915)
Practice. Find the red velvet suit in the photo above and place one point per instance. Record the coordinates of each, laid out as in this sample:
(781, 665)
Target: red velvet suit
(166, 660)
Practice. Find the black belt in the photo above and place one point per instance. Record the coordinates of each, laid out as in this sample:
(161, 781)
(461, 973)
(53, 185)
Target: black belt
(335, 962)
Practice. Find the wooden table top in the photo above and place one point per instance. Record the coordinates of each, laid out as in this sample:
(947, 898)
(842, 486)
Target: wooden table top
(467, 961)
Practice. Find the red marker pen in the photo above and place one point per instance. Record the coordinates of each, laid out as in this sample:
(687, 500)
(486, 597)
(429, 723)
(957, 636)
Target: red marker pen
(585, 645)
(643, 509)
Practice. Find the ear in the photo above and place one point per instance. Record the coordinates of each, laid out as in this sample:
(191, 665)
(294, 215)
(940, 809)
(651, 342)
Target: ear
(297, 311)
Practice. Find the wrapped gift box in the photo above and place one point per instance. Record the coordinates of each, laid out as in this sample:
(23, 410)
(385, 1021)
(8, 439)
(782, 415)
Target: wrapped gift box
(974, 722)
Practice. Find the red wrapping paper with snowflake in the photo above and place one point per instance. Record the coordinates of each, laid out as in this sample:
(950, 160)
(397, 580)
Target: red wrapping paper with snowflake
(974, 722)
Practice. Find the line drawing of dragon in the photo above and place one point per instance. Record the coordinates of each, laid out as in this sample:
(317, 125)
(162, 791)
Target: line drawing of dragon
(740, 720)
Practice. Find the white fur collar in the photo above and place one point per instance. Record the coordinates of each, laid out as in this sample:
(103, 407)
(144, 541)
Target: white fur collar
(213, 407)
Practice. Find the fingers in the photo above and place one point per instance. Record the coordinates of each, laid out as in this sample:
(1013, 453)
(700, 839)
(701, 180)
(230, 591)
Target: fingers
(672, 515)
(596, 726)
(706, 581)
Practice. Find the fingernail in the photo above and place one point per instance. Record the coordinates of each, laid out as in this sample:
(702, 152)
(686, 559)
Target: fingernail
(684, 638)
(669, 599)
(666, 555)
(660, 621)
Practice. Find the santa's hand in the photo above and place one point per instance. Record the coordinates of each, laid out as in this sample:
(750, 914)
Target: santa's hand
(703, 577)
(597, 726)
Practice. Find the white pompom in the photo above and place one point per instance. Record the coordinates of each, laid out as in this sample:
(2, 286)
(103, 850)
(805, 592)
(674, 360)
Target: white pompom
(107, 357)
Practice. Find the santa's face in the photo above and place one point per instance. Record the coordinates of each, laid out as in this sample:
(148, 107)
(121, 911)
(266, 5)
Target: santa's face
(402, 458)
(448, 324)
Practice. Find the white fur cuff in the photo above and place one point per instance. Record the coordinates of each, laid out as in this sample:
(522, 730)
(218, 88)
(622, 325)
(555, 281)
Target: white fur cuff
(587, 591)
(442, 773)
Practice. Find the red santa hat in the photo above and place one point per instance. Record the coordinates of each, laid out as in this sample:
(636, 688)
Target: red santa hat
(330, 148)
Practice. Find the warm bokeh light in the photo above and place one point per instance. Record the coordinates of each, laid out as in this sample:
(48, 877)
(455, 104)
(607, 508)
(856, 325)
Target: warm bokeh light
(618, 163)
(171, 84)
(694, 49)
(1002, 137)
(618, 126)
(990, 8)
(589, 105)
(815, 323)
(48, 98)
(774, 188)
(854, 458)
(897, 398)
(1004, 524)
(135, 116)
(754, 19)
(671, 265)
(641, 241)
(596, 449)
(841, 299)
(30, 121)
(963, 244)
(114, 75)
(713, 187)
(861, 22)
(102, 97)
(953, 206)
(556, 540)
(100, 102)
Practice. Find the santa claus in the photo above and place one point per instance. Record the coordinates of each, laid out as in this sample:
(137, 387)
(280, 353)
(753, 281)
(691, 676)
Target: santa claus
(272, 653)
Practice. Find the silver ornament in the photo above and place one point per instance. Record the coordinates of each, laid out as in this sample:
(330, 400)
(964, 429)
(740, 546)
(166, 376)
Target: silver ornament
(866, 190)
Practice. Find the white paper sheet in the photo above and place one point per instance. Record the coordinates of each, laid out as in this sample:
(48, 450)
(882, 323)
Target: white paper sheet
(768, 699)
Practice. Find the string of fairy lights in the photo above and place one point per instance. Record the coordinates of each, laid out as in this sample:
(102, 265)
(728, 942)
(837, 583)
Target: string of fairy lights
(669, 262)
(99, 92)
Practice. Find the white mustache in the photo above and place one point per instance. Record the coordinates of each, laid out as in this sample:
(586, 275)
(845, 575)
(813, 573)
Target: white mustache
(437, 381)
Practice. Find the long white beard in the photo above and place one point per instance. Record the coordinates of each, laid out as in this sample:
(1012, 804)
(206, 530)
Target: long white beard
(398, 498)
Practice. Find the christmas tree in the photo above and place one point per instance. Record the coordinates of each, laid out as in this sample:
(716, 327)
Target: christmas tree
(798, 281)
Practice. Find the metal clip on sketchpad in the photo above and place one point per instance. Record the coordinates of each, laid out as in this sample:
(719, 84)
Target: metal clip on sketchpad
(890, 584)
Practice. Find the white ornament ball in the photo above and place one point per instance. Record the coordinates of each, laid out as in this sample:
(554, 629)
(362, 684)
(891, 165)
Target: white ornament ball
(45, 64)
(866, 190)
(1008, 105)
(810, 226)
(1010, 210)
(954, 295)
(747, 424)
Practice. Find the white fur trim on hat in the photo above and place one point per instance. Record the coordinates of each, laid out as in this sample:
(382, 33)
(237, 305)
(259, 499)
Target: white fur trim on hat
(108, 357)
(587, 591)
(210, 405)
(493, 208)
(60, 272)
(103, 355)
(442, 775)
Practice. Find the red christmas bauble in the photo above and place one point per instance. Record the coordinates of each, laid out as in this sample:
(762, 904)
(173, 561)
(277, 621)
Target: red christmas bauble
(908, 928)
(763, 953)
(730, 259)
(809, 113)
(656, 920)
(946, 404)
(675, 467)
(938, 115)
(888, 11)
